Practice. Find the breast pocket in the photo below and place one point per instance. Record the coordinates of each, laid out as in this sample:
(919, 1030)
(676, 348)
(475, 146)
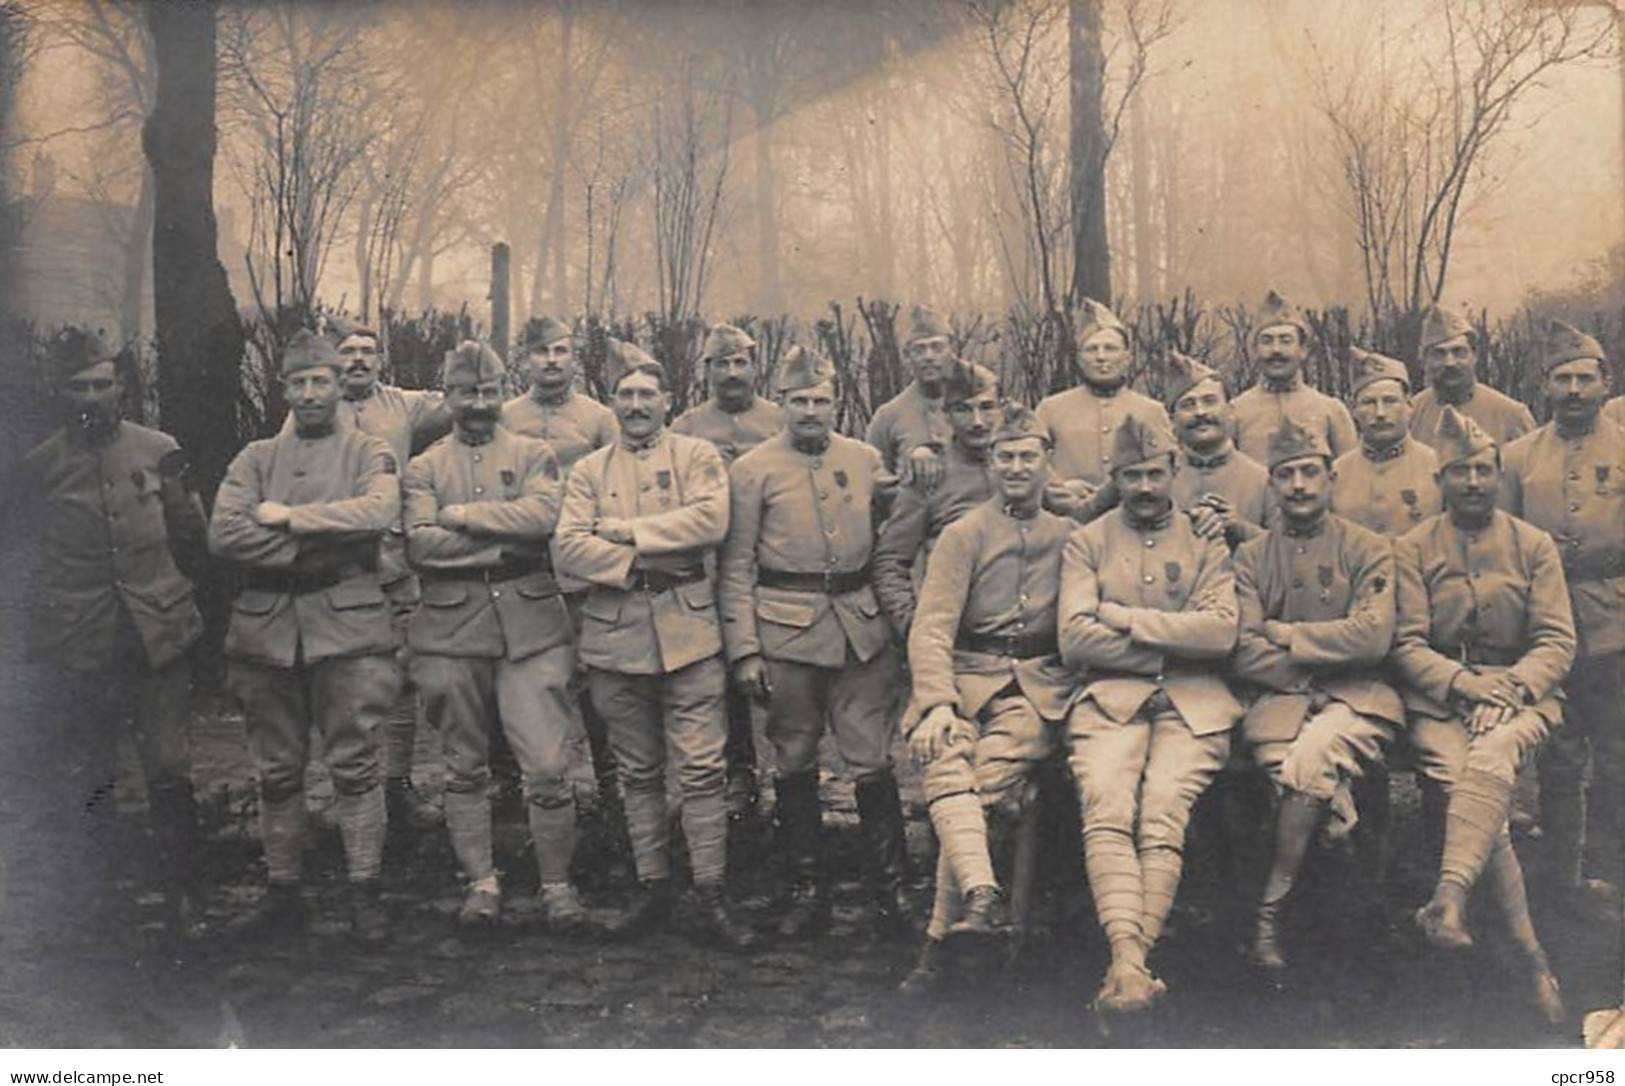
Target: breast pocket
(356, 595)
(603, 607)
(444, 594)
(253, 602)
(796, 616)
(699, 596)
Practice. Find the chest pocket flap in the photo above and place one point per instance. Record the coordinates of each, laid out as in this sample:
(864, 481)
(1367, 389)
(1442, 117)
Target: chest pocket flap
(444, 593)
(355, 594)
(785, 613)
(699, 596)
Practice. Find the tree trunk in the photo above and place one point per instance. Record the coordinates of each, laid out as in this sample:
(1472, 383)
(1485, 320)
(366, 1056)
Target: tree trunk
(426, 279)
(200, 340)
(1091, 258)
(137, 252)
(1146, 285)
(363, 254)
(551, 243)
(769, 291)
(1168, 151)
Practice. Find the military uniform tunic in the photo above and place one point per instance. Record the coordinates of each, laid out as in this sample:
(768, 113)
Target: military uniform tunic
(572, 427)
(1082, 421)
(1500, 416)
(1387, 492)
(916, 520)
(734, 433)
(407, 419)
(1335, 587)
(1257, 413)
(649, 631)
(1490, 599)
(493, 631)
(828, 653)
(905, 422)
(1232, 475)
(1574, 488)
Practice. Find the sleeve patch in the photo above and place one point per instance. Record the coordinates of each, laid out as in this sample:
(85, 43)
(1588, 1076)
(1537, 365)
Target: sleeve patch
(390, 466)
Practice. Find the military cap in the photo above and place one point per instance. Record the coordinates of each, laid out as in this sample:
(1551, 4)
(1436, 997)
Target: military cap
(801, 368)
(725, 341)
(622, 358)
(471, 363)
(1459, 437)
(1566, 343)
(1021, 421)
(926, 323)
(73, 349)
(1184, 374)
(1439, 325)
(1277, 310)
(542, 331)
(1293, 440)
(1137, 440)
(966, 380)
(307, 350)
(1370, 367)
(1093, 317)
(339, 329)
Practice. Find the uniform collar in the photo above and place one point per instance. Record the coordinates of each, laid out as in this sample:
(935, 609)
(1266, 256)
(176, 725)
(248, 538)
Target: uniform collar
(552, 401)
(1280, 388)
(724, 409)
(465, 437)
(1103, 392)
(315, 433)
(1392, 452)
(1020, 514)
(372, 390)
(1578, 432)
(809, 448)
(1215, 460)
(1149, 525)
(642, 445)
(1304, 531)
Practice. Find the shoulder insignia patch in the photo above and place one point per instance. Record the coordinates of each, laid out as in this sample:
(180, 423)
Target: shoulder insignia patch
(1409, 496)
(841, 479)
(1379, 585)
(1172, 570)
(663, 479)
(1326, 576)
(390, 466)
(507, 477)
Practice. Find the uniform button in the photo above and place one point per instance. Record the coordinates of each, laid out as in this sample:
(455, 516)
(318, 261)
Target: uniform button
(823, 493)
(1574, 475)
(1022, 599)
(1151, 542)
(1148, 578)
(1297, 582)
(496, 594)
(1574, 507)
(477, 458)
(479, 490)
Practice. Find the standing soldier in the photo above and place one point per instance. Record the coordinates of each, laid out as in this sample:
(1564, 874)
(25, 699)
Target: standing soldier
(1281, 342)
(122, 534)
(1484, 637)
(638, 519)
(1149, 607)
(1387, 485)
(1316, 594)
(1448, 350)
(1083, 420)
(806, 636)
(573, 425)
(1568, 477)
(408, 420)
(735, 420)
(988, 678)
(1221, 487)
(911, 429)
(971, 394)
(310, 640)
(493, 638)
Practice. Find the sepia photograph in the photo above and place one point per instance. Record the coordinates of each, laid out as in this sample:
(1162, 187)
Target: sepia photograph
(811, 524)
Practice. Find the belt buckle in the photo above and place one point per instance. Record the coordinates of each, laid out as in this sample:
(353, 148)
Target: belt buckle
(829, 582)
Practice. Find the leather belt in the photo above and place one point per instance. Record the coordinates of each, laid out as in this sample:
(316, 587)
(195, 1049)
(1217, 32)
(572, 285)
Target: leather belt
(664, 580)
(292, 582)
(1018, 646)
(502, 571)
(1483, 655)
(830, 583)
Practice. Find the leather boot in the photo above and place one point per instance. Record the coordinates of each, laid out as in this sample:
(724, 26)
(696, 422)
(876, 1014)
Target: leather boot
(281, 913)
(927, 971)
(174, 823)
(709, 903)
(369, 920)
(650, 911)
(984, 913)
(799, 824)
(1265, 951)
(880, 811)
(408, 813)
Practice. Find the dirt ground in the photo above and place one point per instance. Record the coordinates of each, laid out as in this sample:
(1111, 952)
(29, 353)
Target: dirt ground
(72, 974)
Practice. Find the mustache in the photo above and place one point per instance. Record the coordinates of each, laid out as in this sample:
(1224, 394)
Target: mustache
(482, 414)
(638, 413)
(1201, 420)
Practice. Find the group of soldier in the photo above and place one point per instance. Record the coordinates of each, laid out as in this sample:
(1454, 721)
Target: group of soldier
(1157, 593)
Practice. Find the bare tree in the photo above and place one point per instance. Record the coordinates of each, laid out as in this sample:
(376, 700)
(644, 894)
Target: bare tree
(1414, 138)
(688, 168)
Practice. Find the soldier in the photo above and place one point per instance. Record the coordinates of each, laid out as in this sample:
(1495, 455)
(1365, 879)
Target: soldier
(1387, 484)
(990, 690)
(493, 636)
(310, 640)
(735, 420)
(911, 429)
(806, 636)
(573, 425)
(1484, 636)
(1149, 607)
(1222, 488)
(1568, 477)
(122, 535)
(1448, 351)
(971, 394)
(638, 519)
(1084, 419)
(408, 420)
(1614, 410)
(1281, 342)
(1316, 594)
